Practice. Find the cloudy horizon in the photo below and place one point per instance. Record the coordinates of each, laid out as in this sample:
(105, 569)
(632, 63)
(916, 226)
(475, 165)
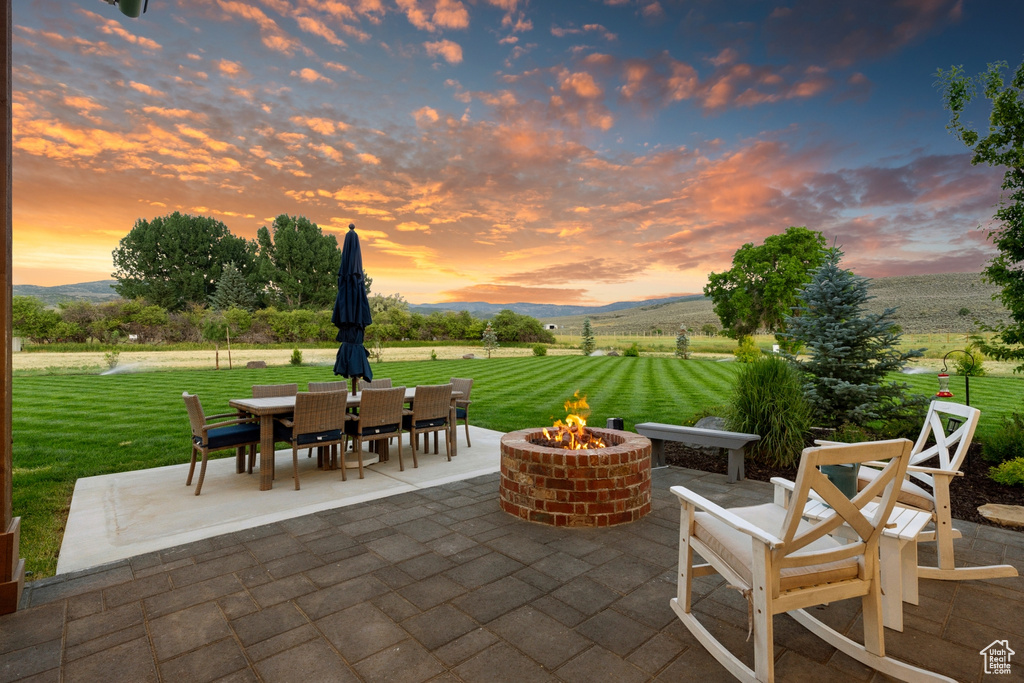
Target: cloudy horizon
(578, 152)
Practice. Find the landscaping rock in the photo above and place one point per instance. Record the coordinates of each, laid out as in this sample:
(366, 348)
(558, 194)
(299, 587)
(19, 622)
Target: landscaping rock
(1007, 515)
(710, 422)
(256, 364)
(613, 352)
(468, 356)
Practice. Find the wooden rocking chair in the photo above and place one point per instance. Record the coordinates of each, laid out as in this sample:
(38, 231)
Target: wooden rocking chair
(783, 563)
(951, 426)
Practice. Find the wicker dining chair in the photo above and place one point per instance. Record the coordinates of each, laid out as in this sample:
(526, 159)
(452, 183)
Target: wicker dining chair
(272, 390)
(380, 417)
(217, 433)
(382, 383)
(431, 412)
(462, 404)
(320, 387)
(317, 422)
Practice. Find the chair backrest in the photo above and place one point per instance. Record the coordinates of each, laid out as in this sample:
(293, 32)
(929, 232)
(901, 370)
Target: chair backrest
(196, 418)
(851, 512)
(463, 385)
(271, 390)
(950, 445)
(318, 412)
(319, 387)
(432, 401)
(382, 383)
(379, 407)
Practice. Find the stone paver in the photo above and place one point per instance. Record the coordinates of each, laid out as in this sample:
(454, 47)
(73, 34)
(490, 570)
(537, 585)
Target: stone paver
(440, 585)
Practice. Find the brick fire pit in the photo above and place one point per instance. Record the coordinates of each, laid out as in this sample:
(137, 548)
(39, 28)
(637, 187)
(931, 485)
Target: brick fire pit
(585, 488)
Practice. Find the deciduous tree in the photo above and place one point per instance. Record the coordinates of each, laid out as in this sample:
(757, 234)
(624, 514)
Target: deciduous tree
(759, 291)
(300, 262)
(176, 259)
(1003, 146)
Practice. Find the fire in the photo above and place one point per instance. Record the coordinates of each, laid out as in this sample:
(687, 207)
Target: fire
(573, 433)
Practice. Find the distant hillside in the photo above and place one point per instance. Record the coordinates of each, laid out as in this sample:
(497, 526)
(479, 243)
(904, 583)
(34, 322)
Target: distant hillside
(485, 310)
(923, 303)
(100, 290)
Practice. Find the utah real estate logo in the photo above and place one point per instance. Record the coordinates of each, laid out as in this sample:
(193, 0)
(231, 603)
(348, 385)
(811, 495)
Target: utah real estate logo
(997, 657)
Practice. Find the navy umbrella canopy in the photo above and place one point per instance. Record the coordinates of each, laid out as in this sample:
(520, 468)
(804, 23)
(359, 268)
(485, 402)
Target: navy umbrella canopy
(352, 313)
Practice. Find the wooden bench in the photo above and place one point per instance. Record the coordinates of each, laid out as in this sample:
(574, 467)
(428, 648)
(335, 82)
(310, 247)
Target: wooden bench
(736, 442)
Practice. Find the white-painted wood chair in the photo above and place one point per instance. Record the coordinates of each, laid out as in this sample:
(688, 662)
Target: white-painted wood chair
(948, 428)
(783, 563)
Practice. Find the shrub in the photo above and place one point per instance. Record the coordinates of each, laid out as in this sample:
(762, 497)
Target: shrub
(965, 367)
(540, 350)
(296, 358)
(769, 400)
(632, 352)
(1009, 472)
(433, 354)
(111, 358)
(747, 351)
(1007, 442)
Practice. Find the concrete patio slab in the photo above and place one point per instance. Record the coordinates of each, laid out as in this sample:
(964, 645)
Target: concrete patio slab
(115, 516)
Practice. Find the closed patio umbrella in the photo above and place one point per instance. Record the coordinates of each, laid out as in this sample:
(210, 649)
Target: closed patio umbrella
(352, 313)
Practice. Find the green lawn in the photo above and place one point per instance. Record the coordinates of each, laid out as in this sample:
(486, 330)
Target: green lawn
(71, 426)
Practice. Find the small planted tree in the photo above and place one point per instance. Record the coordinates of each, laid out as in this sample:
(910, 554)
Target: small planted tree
(489, 339)
(587, 343)
(850, 352)
(682, 344)
(232, 291)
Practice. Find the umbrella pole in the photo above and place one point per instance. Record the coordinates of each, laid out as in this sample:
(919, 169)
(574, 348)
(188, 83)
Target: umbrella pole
(353, 386)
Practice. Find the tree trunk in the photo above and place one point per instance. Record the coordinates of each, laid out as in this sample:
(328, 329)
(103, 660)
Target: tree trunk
(216, 355)
(227, 331)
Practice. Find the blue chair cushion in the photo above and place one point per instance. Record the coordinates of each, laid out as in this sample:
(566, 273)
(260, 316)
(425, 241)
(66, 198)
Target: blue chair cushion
(234, 435)
(331, 435)
(352, 428)
(460, 413)
(423, 424)
(282, 433)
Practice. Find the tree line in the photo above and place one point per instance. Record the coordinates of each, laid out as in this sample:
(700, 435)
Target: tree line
(137, 320)
(178, 260)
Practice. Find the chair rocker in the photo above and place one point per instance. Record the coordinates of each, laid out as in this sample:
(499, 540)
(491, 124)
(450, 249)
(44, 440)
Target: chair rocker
(783, 563)
(951, 426)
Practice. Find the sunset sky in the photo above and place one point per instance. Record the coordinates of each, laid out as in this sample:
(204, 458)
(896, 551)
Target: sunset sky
(550, 151)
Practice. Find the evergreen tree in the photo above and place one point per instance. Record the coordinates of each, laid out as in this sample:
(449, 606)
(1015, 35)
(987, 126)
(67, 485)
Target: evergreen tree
(588, 344)
(232, 291)
(851, 352)
(682, 343)
(490, 339)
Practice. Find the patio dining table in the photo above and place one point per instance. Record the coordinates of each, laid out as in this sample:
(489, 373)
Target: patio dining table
(269, 408)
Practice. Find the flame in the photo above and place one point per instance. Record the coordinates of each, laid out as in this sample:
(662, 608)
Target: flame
(573, 433)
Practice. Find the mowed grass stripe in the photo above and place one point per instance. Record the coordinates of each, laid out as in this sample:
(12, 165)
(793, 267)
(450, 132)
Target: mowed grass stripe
(72, 426)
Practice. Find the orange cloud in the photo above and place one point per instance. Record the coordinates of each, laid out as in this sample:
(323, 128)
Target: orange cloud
(450, 51)
(147, 90)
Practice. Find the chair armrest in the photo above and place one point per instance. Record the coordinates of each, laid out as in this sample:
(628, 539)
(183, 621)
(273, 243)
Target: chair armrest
(221, 416)
(227, 423)
(285, 421)
(723, 515)
(787, 486)
(934, 471)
